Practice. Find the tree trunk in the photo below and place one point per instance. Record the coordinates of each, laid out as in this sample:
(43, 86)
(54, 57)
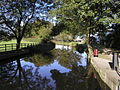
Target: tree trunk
(18, 44)
(88, 36)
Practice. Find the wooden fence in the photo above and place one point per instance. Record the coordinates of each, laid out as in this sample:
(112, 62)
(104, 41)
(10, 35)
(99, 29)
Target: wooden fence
(12, 46)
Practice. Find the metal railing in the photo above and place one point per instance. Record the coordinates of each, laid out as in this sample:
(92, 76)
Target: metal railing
(12, 46)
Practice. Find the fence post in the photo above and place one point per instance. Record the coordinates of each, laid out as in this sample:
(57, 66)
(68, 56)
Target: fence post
(16, 46)
(20, 45)
(28, 45)
(24, 44)
(12, 46)
(5, 47)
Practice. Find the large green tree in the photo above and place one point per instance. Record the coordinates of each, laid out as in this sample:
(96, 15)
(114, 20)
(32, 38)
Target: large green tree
(39, 29)
(87, 16)
(15, 15)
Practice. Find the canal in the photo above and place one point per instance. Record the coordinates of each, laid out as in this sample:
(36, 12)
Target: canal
(59, 69)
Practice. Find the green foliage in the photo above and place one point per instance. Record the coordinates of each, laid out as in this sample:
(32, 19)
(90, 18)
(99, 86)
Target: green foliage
(56, 30)
(5, 36)
(86, 15)
(40, 29)
(113, 39)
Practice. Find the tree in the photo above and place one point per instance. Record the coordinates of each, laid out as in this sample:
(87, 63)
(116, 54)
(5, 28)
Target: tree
(57, 29)
(86, 15)
(15, 15)
(113, 39)
(40, 29)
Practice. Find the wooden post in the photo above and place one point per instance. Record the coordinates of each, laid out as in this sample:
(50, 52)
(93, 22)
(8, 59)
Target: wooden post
(16, 46)
(5, 47)
(24, 44)
(28, 45)
(21, 45)
(12, 46)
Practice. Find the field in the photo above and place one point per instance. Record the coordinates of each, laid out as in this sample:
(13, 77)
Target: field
(11, 45)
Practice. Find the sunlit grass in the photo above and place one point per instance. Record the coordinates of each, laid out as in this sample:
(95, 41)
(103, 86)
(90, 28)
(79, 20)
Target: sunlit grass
(14, 41)
(11, 45)
(7, 42)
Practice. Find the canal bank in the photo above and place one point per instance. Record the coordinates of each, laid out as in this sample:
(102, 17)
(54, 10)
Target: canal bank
(106, 76)
(105, 72)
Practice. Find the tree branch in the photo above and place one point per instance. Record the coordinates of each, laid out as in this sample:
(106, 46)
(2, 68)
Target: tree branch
(6, 23)
(24, 28)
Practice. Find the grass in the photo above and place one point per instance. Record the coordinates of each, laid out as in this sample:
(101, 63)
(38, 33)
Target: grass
(14, 41)
(25, 40)
(8, 42)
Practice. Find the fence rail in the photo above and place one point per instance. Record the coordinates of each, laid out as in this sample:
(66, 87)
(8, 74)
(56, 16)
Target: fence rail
(12, 46)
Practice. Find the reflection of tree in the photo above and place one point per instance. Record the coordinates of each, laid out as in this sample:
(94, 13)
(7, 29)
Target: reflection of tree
(65, 58)
(93, 83)
(7, 72)
(41, 59)
(92, 80)
(74, 80)
(17, 78)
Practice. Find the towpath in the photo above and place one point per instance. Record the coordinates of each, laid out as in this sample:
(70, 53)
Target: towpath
(106, 73)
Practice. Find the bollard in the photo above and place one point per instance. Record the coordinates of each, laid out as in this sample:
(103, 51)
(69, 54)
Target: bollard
(95, 53)
(115, 62)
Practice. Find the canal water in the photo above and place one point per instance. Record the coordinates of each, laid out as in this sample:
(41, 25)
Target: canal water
(60, 69)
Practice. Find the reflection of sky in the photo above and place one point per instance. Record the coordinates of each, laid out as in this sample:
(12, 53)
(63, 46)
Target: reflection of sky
(83, 59)
(44, 70)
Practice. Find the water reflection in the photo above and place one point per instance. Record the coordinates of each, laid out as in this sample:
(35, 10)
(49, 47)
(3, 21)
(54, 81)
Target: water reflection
(63, 47)
(73, 80)
(57, 70)
(22, 78)
(83, 59)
